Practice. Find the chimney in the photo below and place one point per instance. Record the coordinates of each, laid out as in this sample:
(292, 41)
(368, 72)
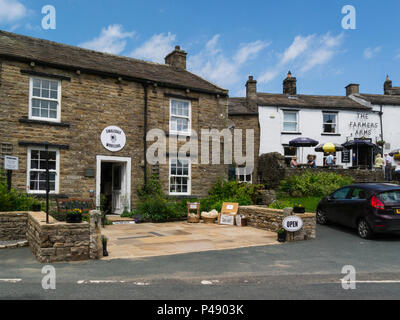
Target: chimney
(177, 58)
(352, 88)
(290, 85)
(251, 93)
(387, 87)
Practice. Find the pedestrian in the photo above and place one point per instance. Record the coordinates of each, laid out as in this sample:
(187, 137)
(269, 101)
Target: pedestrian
(330, 160)
(388, 167)
(379, 162)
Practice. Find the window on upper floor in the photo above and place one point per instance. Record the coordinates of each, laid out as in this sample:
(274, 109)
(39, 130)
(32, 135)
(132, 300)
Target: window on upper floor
(290, 121)
(45, 99)
(180, 117)
(329, 122)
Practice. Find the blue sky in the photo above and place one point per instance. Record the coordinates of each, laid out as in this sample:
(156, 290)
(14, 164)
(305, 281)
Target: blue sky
(229, 40)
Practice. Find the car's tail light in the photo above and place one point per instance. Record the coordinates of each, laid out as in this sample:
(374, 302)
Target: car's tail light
(377, 204)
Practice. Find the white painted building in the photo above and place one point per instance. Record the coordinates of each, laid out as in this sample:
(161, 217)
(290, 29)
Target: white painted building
(335, 119)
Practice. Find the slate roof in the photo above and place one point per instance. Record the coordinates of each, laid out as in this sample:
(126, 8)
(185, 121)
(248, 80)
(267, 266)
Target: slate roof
(238, 105)
(382, 99)
(14, 46)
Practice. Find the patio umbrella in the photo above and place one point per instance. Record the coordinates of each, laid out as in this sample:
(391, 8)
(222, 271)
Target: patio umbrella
(394, 152)
(303, 142)
(329, 147)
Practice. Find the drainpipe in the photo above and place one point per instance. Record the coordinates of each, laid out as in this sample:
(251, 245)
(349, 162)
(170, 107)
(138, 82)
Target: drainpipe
(381, 118)
(145, 87)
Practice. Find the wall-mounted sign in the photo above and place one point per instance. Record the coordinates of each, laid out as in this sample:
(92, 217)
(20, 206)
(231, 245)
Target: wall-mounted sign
(113, 139)
(10, 163)
(292, 223)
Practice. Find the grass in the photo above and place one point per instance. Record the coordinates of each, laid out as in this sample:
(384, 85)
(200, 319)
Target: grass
(310, 203)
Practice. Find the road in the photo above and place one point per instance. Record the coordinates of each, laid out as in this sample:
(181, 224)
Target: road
(303, 270)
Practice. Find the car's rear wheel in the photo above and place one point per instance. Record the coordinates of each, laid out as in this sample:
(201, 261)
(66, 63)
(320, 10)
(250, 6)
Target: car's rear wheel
(321, 217)
(364, 231)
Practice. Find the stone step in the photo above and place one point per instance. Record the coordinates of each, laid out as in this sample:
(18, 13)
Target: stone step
(116, 218)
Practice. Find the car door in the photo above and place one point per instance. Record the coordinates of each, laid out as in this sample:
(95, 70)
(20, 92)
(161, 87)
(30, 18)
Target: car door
(354, 207)
(337, 204)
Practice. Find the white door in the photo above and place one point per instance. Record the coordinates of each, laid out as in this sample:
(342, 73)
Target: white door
(117, 188)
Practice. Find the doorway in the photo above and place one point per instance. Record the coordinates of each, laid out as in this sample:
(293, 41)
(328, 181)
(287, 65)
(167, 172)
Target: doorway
(113, 184)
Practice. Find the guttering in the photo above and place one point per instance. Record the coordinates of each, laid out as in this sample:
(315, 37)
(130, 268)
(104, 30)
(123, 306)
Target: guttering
(146, 97)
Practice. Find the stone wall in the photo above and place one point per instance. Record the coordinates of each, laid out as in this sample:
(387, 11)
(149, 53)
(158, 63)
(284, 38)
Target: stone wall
(57, 241)
(272, 170)
(271, 219)
(13, 226)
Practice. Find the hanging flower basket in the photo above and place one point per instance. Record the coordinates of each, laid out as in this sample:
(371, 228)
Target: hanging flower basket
(381, 143)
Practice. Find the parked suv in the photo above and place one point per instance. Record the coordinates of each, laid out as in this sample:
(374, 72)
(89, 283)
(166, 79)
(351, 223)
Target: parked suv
(369, 207)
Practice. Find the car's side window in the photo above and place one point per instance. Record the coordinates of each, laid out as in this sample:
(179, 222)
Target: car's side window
(341, 194)
(358, 194)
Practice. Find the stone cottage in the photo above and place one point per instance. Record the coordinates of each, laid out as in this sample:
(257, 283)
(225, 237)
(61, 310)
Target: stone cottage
(94, 111)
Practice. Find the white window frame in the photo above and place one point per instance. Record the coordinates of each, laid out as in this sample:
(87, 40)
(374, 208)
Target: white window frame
(189, 176)
(241, 171)
(336, 122)
(189, 118)
(58, 100)
(28, 171)
(283, 121)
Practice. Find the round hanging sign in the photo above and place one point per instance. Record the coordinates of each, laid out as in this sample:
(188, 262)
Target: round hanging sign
(113, 139)
(292, 223)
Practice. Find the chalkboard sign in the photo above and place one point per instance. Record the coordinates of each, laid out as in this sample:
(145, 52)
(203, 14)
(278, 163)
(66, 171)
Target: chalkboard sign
(346, 156)
(67, 205)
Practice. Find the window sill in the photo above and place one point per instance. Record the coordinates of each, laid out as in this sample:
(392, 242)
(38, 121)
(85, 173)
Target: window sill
(331, 134)
(44, 122)
(295, 133)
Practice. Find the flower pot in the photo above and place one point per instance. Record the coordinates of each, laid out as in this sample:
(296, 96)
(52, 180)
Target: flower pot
(74, 218)
(299, 210)
(282, 236)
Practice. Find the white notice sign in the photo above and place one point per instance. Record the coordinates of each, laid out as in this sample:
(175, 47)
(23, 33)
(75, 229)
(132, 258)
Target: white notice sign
(11, 163)
(113, 139)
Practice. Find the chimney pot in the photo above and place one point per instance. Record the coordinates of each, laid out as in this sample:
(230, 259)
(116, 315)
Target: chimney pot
(352, 88)
(176, 58)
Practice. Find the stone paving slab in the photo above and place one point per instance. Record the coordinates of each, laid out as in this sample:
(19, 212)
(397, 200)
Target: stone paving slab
(151, 239)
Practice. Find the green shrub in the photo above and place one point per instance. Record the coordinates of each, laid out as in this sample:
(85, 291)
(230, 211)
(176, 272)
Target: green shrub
(229, 191)
(314, 184)
(14, 200)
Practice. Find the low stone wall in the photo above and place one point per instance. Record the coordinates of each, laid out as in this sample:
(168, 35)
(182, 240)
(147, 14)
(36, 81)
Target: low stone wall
(13, 226)
(271, 219)
(53, 242)
(57, 241)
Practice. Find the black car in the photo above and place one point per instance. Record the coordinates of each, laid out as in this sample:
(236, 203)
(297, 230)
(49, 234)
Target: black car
(370, 207)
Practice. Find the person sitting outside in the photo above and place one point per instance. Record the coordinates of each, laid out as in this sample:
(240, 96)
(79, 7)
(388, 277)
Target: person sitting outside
(379, 162)
(330, 160)
(293, 163)
(311, 161)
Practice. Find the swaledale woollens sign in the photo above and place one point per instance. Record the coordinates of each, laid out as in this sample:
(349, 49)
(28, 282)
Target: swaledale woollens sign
(113, 139)
(292, 223)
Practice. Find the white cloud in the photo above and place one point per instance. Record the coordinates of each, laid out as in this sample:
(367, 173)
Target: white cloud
(213, 64)
(156, 48)
(304, 54)
(111, 40)
(12, 10)
(369, 53)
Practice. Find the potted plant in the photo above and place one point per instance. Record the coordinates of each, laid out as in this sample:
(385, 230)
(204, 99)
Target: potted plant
(299, 208)
(104, 241)
(282, 234)
(75, 216)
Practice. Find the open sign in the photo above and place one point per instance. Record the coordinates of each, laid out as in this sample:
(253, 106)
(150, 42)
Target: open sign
(292, 223)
